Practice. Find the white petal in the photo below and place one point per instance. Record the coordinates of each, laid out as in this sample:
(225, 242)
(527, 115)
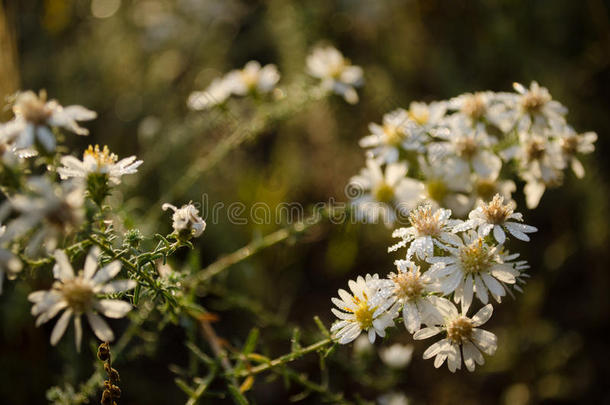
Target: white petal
(481, 290)
(114, 308)
(499, 234)
(91, 262)
(411, 317)
(78, 331)
(63, 269)
(100, 327)
(425, 333)
(60, 326)
(482, 315)
(107, 272)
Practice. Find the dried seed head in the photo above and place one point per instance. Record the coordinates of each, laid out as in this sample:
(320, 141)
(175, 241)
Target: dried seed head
(103, 352)
(496, 212)
(408, 285)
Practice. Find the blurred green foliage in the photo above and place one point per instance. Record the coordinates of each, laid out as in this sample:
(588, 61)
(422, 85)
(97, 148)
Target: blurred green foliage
(136, 61)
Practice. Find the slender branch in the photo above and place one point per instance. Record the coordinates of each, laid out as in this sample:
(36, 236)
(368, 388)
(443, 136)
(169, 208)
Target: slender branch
(287, 358)
(250, 249)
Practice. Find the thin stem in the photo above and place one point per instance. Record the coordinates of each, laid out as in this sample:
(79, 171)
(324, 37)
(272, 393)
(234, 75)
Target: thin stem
(287, 358)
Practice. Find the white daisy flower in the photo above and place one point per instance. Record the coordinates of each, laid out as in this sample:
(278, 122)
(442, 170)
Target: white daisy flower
(396, 356)
(96, 161)
(445, 185)
(572, 144)
(253, 78)
(336, 72)
(381, 194)
(52, 210)
(365, 310)
(412, 291)
(464, 339)
(474, 267)
(470, 147)
(215, 94)
(474, 106)
(186, 220)
(496, 216)
(537, 109)
(9, 263)
(78, 295)
(397, 131)
(429, 227)
(540, 164)
(427, 115)
(34, 115)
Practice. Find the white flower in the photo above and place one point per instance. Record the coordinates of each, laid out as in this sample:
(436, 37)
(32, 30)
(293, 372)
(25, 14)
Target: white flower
(540, 164)
(537, 109)
(496, 216)
(253, 78)
(393, 398)
(96, 161)
(473, 106)
(51, 210)
(365, 310)
(427, 115)
(474, 267)
(78, 295)
(397, 131)
(470, 147)
(381, 194)
(445, 184)
(464, 339)
(396, 356)
(34, 115)
(216, 93)
(412, 291)
(429, 227)
(9, 263)
(186, 220)
(571, 144)
(336, 72)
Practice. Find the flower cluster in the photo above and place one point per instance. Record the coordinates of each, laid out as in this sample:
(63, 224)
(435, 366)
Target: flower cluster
(448, 262)
(335, 72)
(453, 152)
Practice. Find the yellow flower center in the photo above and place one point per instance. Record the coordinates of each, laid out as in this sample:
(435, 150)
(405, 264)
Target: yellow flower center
(363, 314)
(475, 257)
(425, 221)
(460, 330)
(384, 192)
(496, 211)
(408, 285)
(486, 189)
(419, 113)
(393, 135)
(437, 189)
(33, 108)
(533, 101)
(102, 157)
(466, 147)
(78, 293)
(249, 77)
(474, 106)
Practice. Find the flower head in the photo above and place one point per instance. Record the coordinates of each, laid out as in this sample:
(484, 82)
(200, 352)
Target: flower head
(336, 72)
(78, 294)
(474, 267)
(365, 310)
(396, 356)
(34, 116)
(216, 94)
(496, 216)
(429, 227)
(253, 78)
(464, 339)
(98, 161)
(186, 220)
(9, 263)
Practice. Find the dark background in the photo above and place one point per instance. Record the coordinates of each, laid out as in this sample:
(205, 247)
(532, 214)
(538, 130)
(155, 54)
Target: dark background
(137, 67)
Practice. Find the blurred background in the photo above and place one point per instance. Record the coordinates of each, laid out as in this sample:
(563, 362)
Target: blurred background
(136, 61)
